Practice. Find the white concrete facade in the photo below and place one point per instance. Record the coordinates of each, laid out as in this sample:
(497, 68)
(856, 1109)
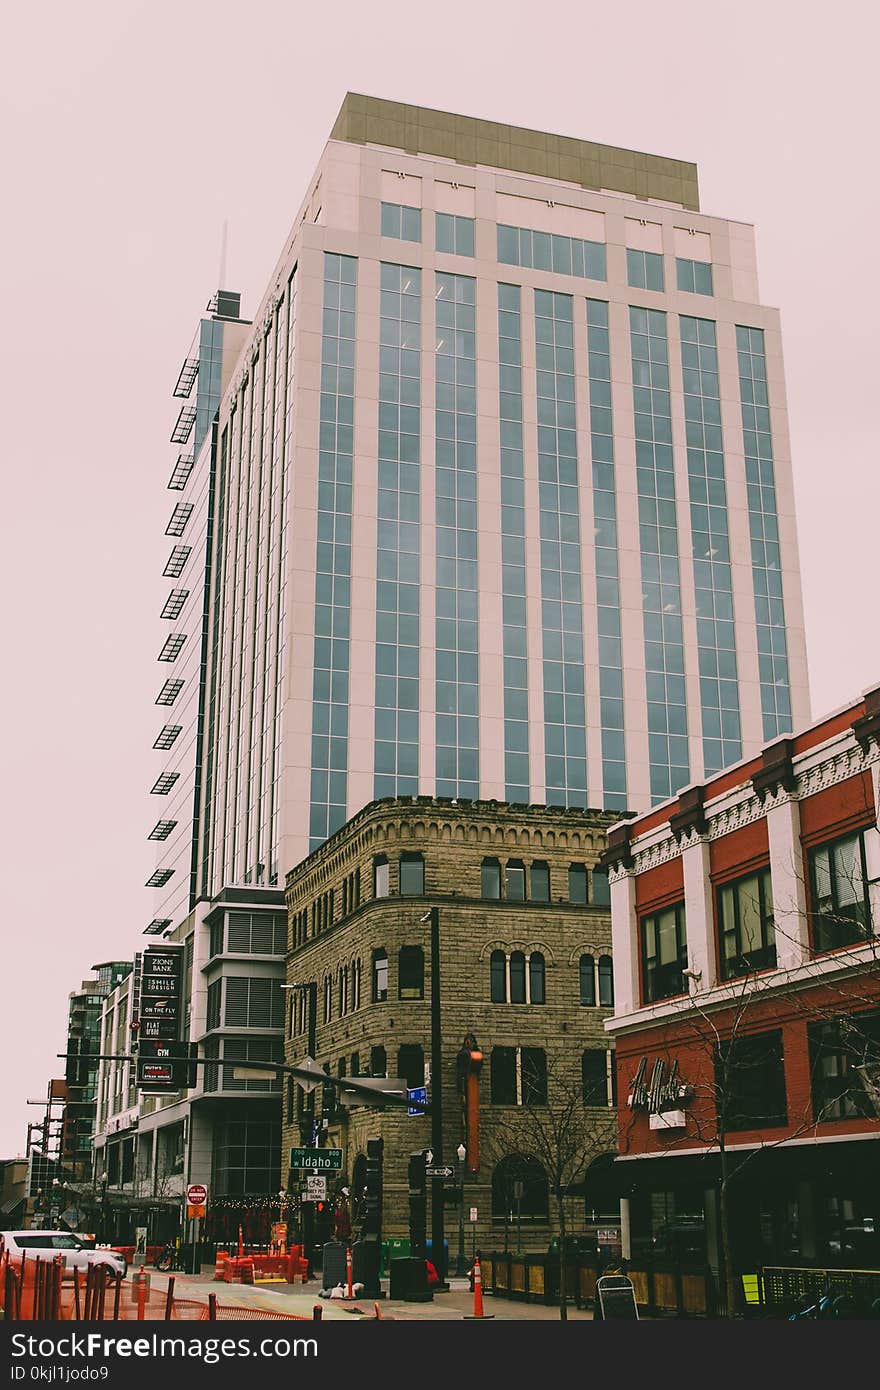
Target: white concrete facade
(259, 818)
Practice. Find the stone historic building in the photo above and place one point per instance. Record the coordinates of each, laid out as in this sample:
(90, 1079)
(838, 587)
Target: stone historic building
(525, 978)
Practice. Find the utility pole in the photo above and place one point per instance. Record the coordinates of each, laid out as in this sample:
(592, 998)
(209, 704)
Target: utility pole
(437, 1231)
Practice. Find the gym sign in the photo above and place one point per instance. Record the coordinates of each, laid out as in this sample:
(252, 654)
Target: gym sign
(660, 1095)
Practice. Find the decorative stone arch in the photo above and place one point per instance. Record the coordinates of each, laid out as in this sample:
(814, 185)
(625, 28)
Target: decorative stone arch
(545, 950)
(587, 948)
(496, 945)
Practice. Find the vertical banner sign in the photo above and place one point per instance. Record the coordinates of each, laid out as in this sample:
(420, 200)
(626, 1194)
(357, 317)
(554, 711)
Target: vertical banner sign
(161, 1010)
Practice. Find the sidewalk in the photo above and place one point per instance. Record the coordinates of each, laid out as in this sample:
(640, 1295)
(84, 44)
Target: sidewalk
(453, 1306)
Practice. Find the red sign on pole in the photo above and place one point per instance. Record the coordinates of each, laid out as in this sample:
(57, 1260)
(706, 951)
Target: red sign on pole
(196, 1194)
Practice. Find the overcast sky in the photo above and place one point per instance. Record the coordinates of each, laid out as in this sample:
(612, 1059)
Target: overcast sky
(131, 132)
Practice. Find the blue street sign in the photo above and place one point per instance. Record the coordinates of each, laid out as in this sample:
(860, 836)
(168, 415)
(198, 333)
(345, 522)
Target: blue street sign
(418, 1093)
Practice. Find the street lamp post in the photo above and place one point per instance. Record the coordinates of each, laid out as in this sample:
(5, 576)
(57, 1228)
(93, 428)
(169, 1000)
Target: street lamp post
(461, 1264)
(104, 1233)
(437, 1233)
(307, 1127)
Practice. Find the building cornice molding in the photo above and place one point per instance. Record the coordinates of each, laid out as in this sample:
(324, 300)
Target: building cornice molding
(743, 805)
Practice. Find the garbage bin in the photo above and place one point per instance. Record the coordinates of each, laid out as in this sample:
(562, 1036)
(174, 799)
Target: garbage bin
(392, 1250)
(409, 1280)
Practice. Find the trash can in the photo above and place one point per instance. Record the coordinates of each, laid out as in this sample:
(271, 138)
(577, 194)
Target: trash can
(392, 1250)
(409, 1280)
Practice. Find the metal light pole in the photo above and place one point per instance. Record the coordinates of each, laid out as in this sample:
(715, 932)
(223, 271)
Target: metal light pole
(307, 1127)
(437, 1232)
(461, 1264)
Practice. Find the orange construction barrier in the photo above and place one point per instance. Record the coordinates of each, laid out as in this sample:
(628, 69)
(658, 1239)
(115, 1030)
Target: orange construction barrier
(247, 1271)
(221, 1267)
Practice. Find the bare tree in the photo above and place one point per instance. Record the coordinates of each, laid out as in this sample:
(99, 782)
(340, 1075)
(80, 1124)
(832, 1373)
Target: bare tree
(556, 1128)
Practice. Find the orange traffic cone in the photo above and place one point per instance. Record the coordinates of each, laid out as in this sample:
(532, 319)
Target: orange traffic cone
(478, 1293)
(240, 1244)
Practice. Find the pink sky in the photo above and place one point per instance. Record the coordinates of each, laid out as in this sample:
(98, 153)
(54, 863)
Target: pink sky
(132, 131)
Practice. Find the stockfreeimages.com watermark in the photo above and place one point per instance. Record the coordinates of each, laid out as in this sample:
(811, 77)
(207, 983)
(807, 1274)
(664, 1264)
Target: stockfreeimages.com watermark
(94, 1346)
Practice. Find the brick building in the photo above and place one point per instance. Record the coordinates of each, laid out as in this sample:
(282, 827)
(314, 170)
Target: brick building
(745, 916)
(525, 970)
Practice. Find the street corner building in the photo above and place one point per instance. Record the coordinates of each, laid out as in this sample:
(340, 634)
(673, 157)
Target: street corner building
(745, 919)
(525, 983)
(489, 501)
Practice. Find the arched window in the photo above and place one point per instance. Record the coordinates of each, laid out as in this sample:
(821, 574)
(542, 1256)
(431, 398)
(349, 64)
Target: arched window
(536, 978)
(517, 977)
(498, 977)
(328, 998)
(540, 882)
(606, 982)
(412, 876)
(380, 876)
(490, 879)
(520, 1192)
(411, 973)
(516, 881)
(577, 883)
(355, 984)
(588, 981)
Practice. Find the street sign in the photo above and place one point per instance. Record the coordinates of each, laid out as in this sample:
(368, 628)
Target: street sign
(159, 989)
(253, 1074)
(315, 1188)
(197, 1194)
(354, 1091)
(194, 1213)
(325, 1160)
(443, 1171)
(419, 1093)
(473, 1216)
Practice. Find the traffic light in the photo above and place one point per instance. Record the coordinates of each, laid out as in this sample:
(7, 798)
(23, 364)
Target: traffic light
(418, 1204)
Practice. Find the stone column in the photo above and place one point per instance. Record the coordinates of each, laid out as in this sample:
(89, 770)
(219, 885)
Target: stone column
(699, 916)
(787, 873)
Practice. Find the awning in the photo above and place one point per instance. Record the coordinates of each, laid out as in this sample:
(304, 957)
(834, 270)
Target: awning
(774, 1163)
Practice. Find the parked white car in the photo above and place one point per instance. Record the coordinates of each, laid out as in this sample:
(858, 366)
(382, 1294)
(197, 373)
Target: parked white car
(45, 1245)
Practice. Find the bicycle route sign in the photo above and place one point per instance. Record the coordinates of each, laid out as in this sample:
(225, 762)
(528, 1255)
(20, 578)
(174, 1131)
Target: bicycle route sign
(319, 1160)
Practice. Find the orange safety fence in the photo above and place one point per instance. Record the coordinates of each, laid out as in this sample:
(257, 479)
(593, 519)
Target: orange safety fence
(46, 1290)
(227, 1312)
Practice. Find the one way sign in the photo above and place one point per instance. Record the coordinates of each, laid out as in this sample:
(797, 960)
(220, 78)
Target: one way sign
(440, 1172)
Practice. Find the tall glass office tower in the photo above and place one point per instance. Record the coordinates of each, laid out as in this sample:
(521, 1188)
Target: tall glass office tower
(501, 500)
